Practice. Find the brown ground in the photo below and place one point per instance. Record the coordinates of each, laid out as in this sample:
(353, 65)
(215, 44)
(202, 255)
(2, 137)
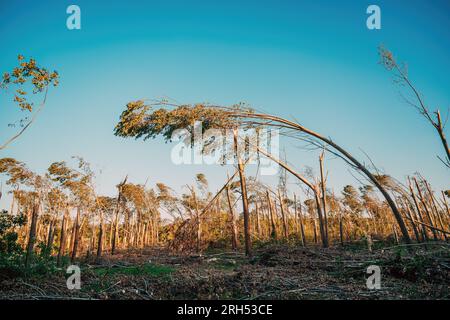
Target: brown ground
(275, 272)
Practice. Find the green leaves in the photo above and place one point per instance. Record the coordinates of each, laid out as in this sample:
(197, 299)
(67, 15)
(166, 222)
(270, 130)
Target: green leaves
(138, 120)
(28, 72)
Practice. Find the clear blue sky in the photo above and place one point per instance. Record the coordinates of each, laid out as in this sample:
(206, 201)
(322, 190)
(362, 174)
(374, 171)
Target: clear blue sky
(312, 60)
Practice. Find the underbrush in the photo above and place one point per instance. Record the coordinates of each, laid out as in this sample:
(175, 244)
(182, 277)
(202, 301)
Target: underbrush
(12, 255)
(431, 266)
(145, 269)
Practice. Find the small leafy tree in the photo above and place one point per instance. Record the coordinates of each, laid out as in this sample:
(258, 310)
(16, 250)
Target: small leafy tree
(10, 250)
(28, 75)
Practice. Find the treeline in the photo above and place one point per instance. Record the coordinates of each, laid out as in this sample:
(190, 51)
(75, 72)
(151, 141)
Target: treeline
(353, 215)
(60, 215)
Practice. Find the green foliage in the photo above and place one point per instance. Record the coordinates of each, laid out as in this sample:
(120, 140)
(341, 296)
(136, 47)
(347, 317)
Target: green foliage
(146, 269)
(428, 266)
(139, 120)
(28, 72)
(8, 237)
(10, 251)
(12, 255)
(43, 262)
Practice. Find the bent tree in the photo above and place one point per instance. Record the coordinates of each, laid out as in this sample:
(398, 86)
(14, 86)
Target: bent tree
(140, 120)
(27, 76)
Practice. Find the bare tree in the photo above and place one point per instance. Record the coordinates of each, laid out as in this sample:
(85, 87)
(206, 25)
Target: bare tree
(434, 118)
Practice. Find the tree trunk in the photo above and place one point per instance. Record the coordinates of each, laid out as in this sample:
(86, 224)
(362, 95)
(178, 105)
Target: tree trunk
(198, 223)
(75, 236)
(32, 235)
(115, 236)
(51, 235)
(436, 211)
(273, 232)
(100, 238)
(300, 220)
(409, 214)
(324, 196)
(419, 211)
(247, 236)
(314, 189)
(315, 229)
(323, 235)
(62, 240)
(427, 211)
(440, 128)
(258, 221)
(234, 234)
(283, 216)
(341, 230)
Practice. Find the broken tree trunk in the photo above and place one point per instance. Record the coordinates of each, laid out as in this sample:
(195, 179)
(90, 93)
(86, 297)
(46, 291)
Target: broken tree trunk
(324, 196)
(247, 236)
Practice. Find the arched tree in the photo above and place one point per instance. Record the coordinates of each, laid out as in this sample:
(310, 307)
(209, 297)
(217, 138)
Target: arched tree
(141, 121)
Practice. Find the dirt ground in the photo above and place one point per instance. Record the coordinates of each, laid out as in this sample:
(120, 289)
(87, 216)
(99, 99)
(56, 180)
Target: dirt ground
(274, 272)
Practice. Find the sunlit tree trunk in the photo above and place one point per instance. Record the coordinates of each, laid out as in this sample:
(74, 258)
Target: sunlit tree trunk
(283, 216)
(100, 237)
(32, 234)
(62, 240)
(427, 210)
(435, 209)
(447, 207)
(258, 220)
(413, 224)
(76, 230)
(198, 223)
(324, 198)
(323, 235)
(247, 237)
(300, 221)
(419, 211)
(234, 233)
(51, 234)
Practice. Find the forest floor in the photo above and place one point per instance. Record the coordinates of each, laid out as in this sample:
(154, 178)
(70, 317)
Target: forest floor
(275, 271)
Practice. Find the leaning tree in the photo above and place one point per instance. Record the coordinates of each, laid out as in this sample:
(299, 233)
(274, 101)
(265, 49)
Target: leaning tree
(141, 120)
(28, 75)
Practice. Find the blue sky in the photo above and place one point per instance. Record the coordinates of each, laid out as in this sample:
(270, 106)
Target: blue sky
(312, 60)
